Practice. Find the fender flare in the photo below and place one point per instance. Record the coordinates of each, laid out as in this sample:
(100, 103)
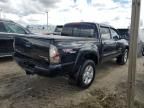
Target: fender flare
(80, 60)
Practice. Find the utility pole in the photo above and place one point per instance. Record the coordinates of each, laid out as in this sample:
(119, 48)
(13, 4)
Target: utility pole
(47, 19)
(133, 51)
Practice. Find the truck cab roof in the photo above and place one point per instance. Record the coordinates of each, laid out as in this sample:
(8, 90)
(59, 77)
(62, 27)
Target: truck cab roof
(89, 23)
(5, 20)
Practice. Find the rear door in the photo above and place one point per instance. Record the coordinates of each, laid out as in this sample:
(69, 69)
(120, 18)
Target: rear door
(5, 41)
(116, 38)
(108, 44)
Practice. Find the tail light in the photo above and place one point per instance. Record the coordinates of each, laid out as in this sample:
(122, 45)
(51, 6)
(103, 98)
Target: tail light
(54, 54)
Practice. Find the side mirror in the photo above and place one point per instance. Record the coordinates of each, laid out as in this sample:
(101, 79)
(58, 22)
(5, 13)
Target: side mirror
(115, 37)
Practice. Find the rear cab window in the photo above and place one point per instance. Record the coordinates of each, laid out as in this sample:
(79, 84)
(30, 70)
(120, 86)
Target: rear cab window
(80, 30)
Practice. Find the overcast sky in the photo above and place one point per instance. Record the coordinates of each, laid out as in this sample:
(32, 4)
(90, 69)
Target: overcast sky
(114, 12)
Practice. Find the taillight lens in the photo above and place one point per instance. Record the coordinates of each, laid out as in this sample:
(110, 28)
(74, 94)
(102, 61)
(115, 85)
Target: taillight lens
(54, 54)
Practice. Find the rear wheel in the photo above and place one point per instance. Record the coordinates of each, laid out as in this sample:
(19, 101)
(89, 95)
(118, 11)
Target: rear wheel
(87, 74)
(122, 59)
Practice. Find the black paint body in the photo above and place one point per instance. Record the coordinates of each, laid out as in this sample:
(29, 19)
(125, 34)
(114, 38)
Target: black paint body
(32, 52)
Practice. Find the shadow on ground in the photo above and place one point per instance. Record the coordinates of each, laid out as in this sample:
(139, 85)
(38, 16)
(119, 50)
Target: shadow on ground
(6, 59)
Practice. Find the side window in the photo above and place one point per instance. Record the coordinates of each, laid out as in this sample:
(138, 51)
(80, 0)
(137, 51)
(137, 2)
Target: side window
(8, 29)
(114, 33)
(2, 27)
(13, 28)
(105, 33)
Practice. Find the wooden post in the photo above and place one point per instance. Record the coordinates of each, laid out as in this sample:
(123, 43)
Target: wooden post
(133, 51)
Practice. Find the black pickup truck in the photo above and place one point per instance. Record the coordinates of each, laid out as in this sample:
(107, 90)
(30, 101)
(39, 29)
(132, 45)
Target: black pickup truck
(76, 53)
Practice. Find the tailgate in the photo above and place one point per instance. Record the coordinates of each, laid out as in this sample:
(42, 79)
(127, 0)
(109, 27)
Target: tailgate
(34, 48)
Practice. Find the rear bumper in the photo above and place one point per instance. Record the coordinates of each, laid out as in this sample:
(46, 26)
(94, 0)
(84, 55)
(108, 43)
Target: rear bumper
(2, 55)
(35, 67)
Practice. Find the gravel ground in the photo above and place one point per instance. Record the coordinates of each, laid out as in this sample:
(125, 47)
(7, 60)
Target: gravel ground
(18, 90)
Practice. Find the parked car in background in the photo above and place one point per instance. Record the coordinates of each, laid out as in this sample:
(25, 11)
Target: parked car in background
(9, 29)
(125, 34)
(58, 30)
(141, 41)
(76, 52)
(41, 29)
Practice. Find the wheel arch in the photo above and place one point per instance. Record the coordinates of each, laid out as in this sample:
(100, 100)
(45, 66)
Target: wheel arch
(82, 56)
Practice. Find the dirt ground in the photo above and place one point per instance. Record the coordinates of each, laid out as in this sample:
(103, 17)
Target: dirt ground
(18, 90)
